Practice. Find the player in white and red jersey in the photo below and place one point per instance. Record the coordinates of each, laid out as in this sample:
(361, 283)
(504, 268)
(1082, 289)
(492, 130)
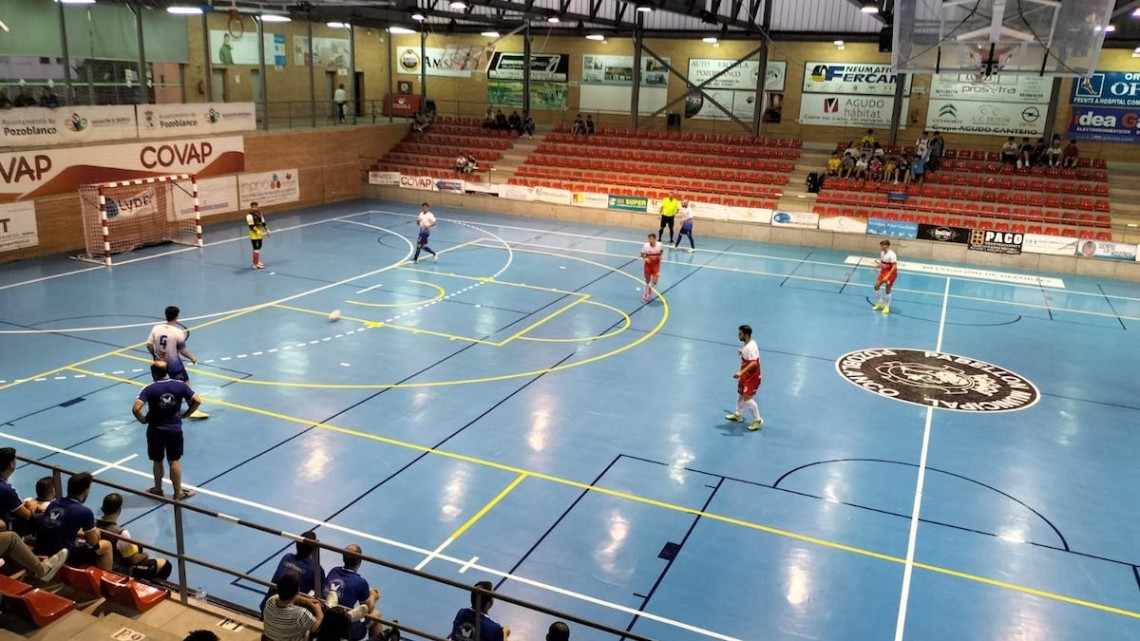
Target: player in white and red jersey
(748, 380)
(888, 271)
(651, 254)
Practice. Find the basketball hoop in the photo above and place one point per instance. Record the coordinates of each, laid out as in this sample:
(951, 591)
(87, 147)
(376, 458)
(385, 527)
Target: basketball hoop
(236, 26)
(990, 58)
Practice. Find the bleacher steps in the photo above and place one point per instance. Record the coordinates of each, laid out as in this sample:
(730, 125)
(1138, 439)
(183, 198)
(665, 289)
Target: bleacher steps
(70, 626)
(171, 616)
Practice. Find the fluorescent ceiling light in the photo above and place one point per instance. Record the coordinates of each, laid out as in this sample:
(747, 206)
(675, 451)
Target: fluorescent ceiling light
(490, 34)
(1110, 28)
(870, 7)
(3, 27)
(76, 1)
(596, 37)
(1136, 12)
(458, 5)
(417, 16)
(553, 19)
(184, 11)
(275, 17)
(709, 40)
(838, 43)
(336, 25)
(397, 31)
(644, 7)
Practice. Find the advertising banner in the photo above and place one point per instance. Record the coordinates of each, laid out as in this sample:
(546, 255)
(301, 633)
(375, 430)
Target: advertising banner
(549, 67)
(391, 178)
(844, 224)
(40, 127)
(943, 234)
(593, 201)
(269, 188)
(442, 184)
(55, 171)
(996, 88)
(629, 203)
(844, 111)
(226, 50)
(544, 96)
(987, 118)
(516, 192)
(801, 219)
(143, 202)
(892, 228)
(553, 195)
(18, 226)
(215, 196)
(742, 77)
(424, 183)
(1052, 245)
(401, 105)
(1104, 124)
(860, 78)
(196, 119)
(452, 61)
(1106, 249)
(481, 188)
(1107, 89)
(330, 54)
(618, 71)
(997, 242)
(747, 214)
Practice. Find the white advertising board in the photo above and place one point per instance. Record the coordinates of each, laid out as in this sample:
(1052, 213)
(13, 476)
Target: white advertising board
(41, 127)
(987, 118)
(553, 195)
(801, 219)
(844, 224)
(423, 183)
(591, 200)
(453, 61)
(1052, 245)
(996, 88)
(859, 78)
(18, 226)
(739, 78)
(384, 178)
(751, 214)
(215, 196)
(847, 110)
(196, 119)
(1106, 249)
(269, 188)
(516, 192)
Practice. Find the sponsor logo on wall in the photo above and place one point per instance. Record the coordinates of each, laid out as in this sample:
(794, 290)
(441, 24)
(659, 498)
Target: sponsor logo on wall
(215, 196)
(938, 380)
(594, 201)
(1107, 89)
(987, 118)
(454, 61)
(425, 183)
(269, 188)
(384, 178)
(1052, 245)
(18, 226)
(943, 234)
(140, 203)
(847, 110)
(996, 242)
(1106, 249)
(196, 119)
(551, 67)
(851, 78)
(892, 228)
(36, 127)
(629, 203)
(803, 220)
(1105, 124)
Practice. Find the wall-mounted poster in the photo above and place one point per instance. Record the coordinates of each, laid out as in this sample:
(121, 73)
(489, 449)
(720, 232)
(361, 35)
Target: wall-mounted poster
(1001, 105)
(607, 84)
(735, 89)
(544, 96)
(331, 54)
(227, 50)
(454, 61)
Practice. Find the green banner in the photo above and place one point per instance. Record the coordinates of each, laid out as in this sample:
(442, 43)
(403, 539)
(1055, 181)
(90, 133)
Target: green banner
(544, 96)
(629, 203)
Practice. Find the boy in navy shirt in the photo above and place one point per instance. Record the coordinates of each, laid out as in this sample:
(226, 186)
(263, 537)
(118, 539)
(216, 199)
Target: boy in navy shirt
(67, 516)
(163, 399)
(300, 563)
(352, 589)
(463, 628)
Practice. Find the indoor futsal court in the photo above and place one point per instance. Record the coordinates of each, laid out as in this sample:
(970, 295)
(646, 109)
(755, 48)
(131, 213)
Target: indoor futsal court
(514, 412)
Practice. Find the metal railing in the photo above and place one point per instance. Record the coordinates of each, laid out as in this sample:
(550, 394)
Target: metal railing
(182, 560)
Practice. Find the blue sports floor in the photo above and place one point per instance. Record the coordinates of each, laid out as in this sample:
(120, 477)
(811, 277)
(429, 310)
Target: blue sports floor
(515, 413)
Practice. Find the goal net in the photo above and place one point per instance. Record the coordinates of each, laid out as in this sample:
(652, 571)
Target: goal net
(122, 216)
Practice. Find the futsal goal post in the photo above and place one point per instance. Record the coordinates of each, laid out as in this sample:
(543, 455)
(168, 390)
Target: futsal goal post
(122, 216)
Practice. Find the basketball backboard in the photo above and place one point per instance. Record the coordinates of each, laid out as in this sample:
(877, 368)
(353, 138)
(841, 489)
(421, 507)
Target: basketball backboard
(985, 37)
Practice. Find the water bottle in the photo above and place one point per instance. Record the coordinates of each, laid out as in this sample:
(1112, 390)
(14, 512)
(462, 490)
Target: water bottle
(200, 595)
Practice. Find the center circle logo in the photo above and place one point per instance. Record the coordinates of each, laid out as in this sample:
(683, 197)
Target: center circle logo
(936, 379)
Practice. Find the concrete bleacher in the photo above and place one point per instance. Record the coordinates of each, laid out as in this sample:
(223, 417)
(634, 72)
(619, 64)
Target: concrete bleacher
(433, 152)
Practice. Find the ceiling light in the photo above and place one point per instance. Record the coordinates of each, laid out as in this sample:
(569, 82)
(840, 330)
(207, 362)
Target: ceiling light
(1110, 28)
(596, 37)
(490, 34)
(3, 27)
(553, 20)
(184, 11)
(418, 17)
(870, 6)
(644, 7)
(76, 1)
(458, 5)
(1136, 12)
(838, 43)
(709, 40)
(336, 25)
(400, 31)
(275, 17)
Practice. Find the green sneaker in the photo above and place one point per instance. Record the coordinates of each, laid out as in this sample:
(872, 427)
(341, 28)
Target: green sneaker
(734, 417)
(877, 307)
(755, 425)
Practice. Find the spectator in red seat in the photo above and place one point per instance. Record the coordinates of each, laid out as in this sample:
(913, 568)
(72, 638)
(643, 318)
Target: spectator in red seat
(528, 125)
(13, 547)
(472, 164)
(922, 148)
(489, 119)
(937, 149)
(1025, 153)
(850, 155)
(891, 169)
(579, 126)
(862, 164)
(1053, 153)
(501, 121)
(289, 615)
(834, 164)
(590, 125)
(421, 122)
(514, 122)
(902, 172)
(1070, 154)
(1009, 152)
(461, 164)
(1039, 152)
(917, 170)
(129, 559)
(875, 168)
(68, 517)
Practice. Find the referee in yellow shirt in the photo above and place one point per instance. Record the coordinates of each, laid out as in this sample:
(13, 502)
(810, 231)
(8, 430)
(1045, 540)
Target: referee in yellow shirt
(669, 207)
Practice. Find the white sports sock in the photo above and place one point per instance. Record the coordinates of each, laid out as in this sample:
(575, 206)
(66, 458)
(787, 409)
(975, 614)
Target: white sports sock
(753, 408)
(739, 406)
(888, 300)
(878, 295)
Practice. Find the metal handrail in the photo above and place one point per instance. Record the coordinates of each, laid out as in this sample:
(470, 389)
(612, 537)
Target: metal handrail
(183, 558)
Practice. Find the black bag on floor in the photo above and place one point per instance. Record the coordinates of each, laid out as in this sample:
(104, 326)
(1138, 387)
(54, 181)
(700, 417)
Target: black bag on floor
(814, 182)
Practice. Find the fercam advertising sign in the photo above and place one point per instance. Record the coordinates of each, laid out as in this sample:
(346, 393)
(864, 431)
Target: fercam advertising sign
(857, 78)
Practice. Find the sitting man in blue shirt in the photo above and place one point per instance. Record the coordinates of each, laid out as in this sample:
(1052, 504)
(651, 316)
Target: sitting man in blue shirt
(301, 563)
(14, 513)
(463, 628)
(351, 589)
(64, 519)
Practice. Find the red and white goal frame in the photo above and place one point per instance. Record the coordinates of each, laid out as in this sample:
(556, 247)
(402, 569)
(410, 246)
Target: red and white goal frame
(121, 216)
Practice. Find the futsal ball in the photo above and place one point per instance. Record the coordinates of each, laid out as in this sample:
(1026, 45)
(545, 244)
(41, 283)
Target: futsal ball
(335, 315)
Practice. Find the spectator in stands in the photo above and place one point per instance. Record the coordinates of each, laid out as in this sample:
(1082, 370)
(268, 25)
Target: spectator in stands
(590, 128)
(48, 99)
(917, 169)
(1039, 152)
(902, 172)
(461, 164)
(878, 152)
(345, 587)
(834, 164)
(528, 125)
(868, 138)
(337, 625)
(850, 155)
(1009, 152)
(67, 516)
(862, 164)
(514, 122)
(501, 121)
(129, 559)
(1053, 154)
(302, 562)
(421, 122)
(579, 127)
(558, 631)
(201, 635)
(472, 163)
(891, 169)
(489, 119)
(463, 628)
(45, 494)
(1025, 153)
(289, 615)
(1070, 155)
(13, 547)
(14, 513)
(875, 168)
(922, 148)
(5, 101)
(937, 149)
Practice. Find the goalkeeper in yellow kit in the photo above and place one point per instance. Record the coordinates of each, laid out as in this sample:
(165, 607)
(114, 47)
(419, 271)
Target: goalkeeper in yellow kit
(258, 230)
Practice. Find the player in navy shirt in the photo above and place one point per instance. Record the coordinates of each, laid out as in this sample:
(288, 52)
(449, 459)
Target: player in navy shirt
(463, 628)
(13, 512)
(67, 516)
(163, 399)
(352, 589)
(302, 564)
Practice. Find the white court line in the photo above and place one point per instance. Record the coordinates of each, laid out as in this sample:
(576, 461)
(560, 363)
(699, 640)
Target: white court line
(113, 465)
(467, 565)
(908, 568)
(462, 563)
(436, 552)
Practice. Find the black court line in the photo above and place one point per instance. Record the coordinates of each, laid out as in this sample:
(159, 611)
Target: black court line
(1045, 297)
(1089, 400)
(794, 269)
(847, 281)
(1112, 307)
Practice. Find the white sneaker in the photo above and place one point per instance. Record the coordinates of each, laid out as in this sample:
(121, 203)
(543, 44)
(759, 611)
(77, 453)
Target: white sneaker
(435, 258)
(52, 564)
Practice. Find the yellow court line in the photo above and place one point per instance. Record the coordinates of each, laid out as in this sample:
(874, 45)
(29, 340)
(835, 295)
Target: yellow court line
(626, 323)
(440, 293)
(487, 508)
(430, 332)
(487, 279)
(317, 312)
(545, 319)
(652, 502)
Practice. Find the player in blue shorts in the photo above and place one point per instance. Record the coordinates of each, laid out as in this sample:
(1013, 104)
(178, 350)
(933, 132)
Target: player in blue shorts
(163, 399)
(426, 220)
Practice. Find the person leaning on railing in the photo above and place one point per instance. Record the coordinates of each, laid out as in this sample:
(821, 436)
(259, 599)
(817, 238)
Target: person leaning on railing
(289, 615)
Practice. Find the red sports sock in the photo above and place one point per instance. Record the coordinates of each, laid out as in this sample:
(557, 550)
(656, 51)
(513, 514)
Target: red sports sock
(256, 257)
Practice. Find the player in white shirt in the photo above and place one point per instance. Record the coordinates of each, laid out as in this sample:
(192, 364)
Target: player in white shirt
(686, 227)
(426, 220)
(651, 253)
(888, 271)
(748, 379)
(167, 344)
